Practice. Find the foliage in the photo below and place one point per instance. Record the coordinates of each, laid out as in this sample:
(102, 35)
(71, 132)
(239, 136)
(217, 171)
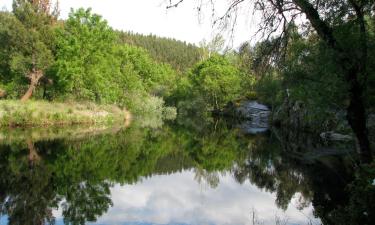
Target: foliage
(216, 80)
(26, 46)
(157, 79)
(84, 58)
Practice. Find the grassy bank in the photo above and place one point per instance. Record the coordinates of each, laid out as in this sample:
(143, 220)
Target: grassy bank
(14, 113)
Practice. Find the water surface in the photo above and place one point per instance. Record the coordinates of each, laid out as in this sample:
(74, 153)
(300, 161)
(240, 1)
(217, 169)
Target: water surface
(192, 171)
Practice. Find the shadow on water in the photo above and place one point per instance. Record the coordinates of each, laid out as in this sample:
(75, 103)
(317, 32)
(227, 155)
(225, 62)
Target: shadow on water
(74, 170)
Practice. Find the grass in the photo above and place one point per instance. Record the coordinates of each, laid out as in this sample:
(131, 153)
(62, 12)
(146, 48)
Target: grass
(14, 113)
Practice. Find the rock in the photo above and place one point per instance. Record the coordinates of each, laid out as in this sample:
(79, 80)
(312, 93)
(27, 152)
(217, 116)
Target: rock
(253, 110)
(332, 136)
(257, 116)
(371, 120)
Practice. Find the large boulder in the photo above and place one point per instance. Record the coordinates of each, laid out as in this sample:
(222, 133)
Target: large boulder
(256, 115)
(254, 111)
(253, 116)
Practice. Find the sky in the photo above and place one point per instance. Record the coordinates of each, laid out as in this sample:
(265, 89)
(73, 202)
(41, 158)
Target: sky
(151, 16)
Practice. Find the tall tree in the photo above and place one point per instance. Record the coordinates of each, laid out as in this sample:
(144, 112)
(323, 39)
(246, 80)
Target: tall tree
(327, 18)
(27, 42)
(84, 59)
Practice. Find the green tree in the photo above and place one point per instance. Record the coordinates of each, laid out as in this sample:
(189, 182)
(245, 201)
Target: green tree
(27, 44)
(84, 59)
(217, 80)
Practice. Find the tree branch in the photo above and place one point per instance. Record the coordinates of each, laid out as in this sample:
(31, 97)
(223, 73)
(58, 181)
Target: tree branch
(174, 5)
(322, 28)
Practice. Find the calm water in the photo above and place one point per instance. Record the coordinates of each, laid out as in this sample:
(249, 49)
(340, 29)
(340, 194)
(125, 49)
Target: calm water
(188, 172)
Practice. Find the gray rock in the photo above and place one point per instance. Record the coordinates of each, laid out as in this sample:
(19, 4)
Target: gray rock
(371, 120)
(332, 136)
(257, 115)
(253, 110)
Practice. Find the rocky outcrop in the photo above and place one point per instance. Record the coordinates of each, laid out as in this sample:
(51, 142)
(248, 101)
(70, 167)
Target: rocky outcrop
(251, 116)
(256, 117)
(254, 110)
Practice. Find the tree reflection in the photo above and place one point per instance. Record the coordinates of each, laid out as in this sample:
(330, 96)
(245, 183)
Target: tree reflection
(287, 166)
(27, 196)
(74, 175)
(86, 201)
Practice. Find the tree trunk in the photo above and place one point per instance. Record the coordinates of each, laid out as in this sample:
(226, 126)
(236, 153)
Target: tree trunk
(356, 116)
(2, 93)
(34, 77)
(28, 93)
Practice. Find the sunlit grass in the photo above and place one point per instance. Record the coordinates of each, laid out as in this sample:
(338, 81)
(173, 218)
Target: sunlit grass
(15, 113)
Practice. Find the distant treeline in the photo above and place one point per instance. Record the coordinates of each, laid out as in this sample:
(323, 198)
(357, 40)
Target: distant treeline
(180, 55)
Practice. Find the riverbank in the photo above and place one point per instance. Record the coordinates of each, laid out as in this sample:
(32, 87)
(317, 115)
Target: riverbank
(14, 113)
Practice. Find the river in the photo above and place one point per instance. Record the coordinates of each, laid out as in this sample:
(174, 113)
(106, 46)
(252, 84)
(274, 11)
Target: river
(190, 171)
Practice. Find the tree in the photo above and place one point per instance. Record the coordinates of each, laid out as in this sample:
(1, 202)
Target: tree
(217, 80)
(327, 18)
(26, 41)
(212, 47)
(84, 58)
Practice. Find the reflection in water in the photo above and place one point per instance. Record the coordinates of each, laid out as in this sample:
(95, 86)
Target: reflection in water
(178, 199)
(189, 172)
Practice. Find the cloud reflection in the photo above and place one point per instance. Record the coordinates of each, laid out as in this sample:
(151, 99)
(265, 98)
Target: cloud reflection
(179, 199)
